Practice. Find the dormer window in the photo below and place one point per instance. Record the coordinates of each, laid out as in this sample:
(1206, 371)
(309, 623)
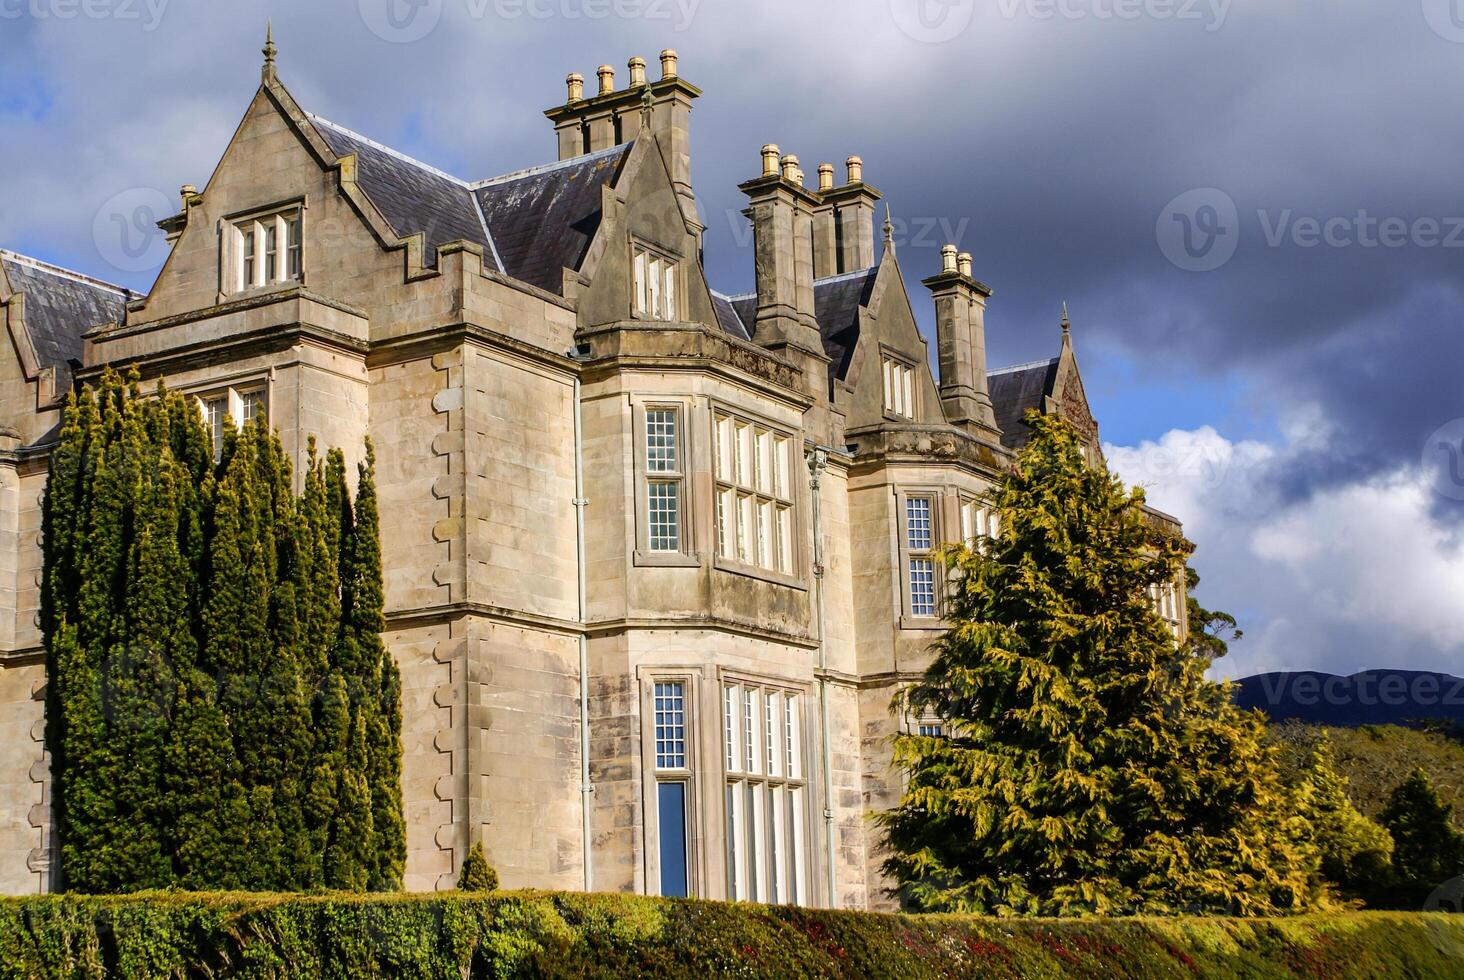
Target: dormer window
(899, 388)
(654, 278)
(266, 249)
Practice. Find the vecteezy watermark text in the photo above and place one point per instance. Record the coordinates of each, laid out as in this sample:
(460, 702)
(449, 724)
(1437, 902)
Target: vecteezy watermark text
(147, 12)
(1200, 230)
(937, 21)
(405, 21)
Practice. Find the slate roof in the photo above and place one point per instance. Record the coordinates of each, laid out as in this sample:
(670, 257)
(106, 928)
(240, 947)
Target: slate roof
(530, 224)
(543, 219)
(727, 316)
(61, 305)
(1016, 389)
(410, 195)
(836, 302)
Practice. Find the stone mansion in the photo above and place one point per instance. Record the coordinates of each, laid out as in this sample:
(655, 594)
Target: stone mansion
(656, 557)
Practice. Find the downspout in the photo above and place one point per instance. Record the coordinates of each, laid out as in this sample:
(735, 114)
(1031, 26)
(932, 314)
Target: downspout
(580, 503)
(818, 460)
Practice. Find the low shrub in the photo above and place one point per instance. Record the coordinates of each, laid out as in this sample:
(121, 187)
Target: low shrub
(536, 934)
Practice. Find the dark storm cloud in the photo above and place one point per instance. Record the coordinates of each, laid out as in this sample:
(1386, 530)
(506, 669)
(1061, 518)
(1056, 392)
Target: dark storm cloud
(1048, 136)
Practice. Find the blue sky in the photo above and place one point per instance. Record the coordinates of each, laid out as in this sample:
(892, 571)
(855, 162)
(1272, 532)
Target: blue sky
(1248, 206)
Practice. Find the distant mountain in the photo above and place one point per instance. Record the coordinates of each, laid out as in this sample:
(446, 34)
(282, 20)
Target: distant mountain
(1372, 697)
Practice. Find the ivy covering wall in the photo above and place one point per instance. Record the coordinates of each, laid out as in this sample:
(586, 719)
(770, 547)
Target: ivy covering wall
(221, 710)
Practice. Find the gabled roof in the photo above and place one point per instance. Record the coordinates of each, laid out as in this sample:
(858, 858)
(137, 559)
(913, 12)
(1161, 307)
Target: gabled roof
(1016, 389)
(544, 219)
(60, 305)
(531, 223)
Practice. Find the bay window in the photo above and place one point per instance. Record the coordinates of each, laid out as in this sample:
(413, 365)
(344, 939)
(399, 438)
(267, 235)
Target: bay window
(754, 488)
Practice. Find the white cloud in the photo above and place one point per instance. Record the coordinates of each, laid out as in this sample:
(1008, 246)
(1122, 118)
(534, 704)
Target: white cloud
(1355, 576)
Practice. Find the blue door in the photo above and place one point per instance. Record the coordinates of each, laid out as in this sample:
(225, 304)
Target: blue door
(672, 807)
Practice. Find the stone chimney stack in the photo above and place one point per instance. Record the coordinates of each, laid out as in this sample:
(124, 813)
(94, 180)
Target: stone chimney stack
(960, 328)
(781, 211)
(844, 221)
(613, 117)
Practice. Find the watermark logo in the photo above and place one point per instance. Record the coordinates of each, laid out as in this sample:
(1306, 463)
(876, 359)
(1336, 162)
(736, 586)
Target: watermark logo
(125, 229)
(400, 21)
(1198, 231)
(148, 13)
(1446, 18)
(1443, 459)
(932, 21)
(1448, 934)
(405, 21)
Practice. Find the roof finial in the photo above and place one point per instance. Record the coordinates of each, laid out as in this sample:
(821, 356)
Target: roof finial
(889, 229)
(1065, 323)
(647, 107)
(269, 51)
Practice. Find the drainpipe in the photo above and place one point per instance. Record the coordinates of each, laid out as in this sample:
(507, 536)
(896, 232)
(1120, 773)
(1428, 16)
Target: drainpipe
(818, 461)
(580, 503)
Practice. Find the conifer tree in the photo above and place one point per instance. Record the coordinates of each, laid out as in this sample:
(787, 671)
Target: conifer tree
(1354, 852)
(477, 875)
(221, 710)
(383, 711)
(1087, 765)
(1427, 849)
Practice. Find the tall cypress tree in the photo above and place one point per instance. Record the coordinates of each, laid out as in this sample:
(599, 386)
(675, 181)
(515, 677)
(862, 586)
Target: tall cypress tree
(221, 710)
(1088, 766)
(383, 710)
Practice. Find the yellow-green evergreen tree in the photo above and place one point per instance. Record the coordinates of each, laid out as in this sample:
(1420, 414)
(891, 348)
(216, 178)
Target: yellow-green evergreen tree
(1087, 766)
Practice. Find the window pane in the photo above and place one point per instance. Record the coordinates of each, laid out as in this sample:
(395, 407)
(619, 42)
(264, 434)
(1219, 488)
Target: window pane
(889, 385)
(661, 440)
(672, 813)
(670, 709)
(745, 523)
(744, 455)
(922, 587)
(668, 292)
(765, 534)
(775, 852)
(729, 709)
(790, 736)
(771, 741)
(726, 467)
(785, 540)
(252, 404)
(780, 467)
(293, 229)
(731, 843)
(931, 731)
(907, 404)
(917, 523)
(214, 411)
(246, 274)
(749, 730)
(638, 285)
(663, 515)
(653, 287)
(764, 444)
(726, 532)
(271, 250)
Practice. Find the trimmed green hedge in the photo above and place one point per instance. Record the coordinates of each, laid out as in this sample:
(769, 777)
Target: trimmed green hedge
(571, 935)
